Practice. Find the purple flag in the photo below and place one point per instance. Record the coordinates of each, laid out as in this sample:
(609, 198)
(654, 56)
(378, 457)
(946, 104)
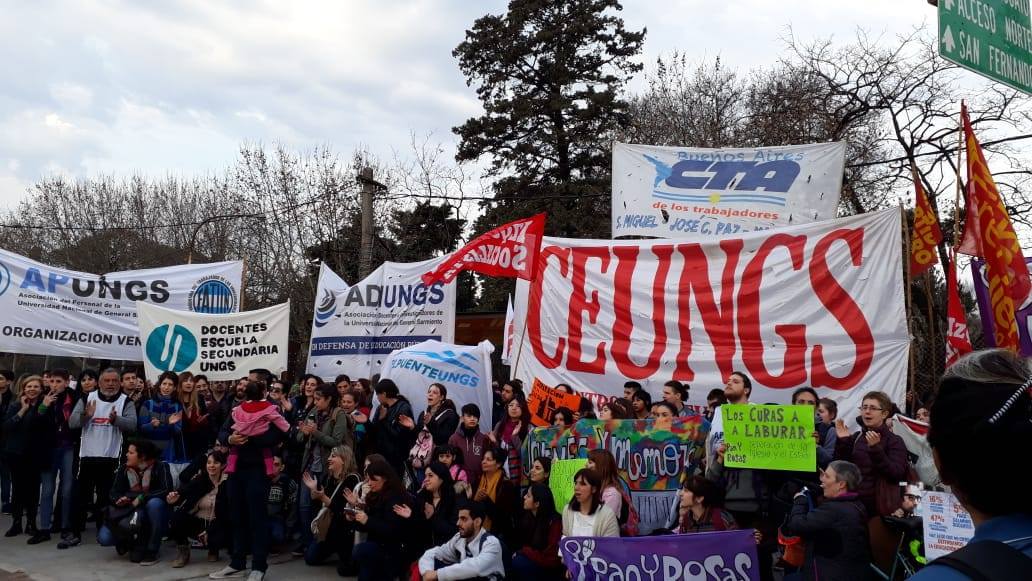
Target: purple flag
(1022, 314)
(725, 555)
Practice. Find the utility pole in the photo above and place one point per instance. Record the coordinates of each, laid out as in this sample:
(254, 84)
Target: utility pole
(365, 259)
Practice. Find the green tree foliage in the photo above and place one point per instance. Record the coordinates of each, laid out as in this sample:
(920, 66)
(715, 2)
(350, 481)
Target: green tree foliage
(549, 76)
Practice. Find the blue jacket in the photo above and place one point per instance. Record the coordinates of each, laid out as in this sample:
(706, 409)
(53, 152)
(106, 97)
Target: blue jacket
(160, 408)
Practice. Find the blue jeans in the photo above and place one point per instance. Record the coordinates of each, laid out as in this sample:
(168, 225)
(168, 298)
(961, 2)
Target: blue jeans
(63, 462)
(277, 531)
(248, 493)
(304, 515)
(153, 527)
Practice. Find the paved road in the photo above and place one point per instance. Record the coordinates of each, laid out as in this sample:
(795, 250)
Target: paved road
(90, 562)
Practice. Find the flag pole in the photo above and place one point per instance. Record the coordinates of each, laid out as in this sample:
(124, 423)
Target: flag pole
(909, 298)
(956, 199)
(927, 282)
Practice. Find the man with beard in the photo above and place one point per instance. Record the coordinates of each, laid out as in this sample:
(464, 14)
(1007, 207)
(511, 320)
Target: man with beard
(105, 416)
(473, 553)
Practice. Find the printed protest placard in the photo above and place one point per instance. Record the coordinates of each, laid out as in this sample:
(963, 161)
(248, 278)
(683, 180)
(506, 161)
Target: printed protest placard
(560, 480)
(947, 526)
(218, 346)
(717, 555)
(773, 437)
(544, 400)
(649, 458)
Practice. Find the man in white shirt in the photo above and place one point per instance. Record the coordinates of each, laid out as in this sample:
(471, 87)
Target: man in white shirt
(473, 553)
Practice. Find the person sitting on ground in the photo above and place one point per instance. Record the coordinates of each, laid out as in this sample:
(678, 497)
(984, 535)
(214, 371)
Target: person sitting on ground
(473, 553)
(451, 457)
(381, 555)
(701, 507)
(281, 505)
(140, 485)
(836, 530)
(586, 515)
(537, 556)
(201, 509)
(328, 490)
(499, 496)
(540, 470)
(982, 415)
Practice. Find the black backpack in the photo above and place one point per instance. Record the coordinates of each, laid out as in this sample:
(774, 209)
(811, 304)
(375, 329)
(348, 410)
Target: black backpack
(988, 561)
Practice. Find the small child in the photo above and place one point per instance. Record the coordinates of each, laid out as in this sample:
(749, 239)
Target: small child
(252, 418)
(450, 456)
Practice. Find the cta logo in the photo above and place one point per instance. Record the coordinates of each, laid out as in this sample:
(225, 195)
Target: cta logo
(717, 181)
(5, 278)
(326, 309)
(212, 295)
(171, 348)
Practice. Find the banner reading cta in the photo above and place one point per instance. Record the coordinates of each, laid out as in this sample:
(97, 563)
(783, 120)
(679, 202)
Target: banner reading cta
(464, 370)
(817, 305)
(391, 309)
(54, 311)
(650, 456)
(717, 556)
(684, 192)
(219, 346)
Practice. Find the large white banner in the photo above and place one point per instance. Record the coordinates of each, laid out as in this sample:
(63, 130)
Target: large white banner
(684, 192)
(219, 346)
(55, 311)
(391, 309)
(817, 305)
(464, 370)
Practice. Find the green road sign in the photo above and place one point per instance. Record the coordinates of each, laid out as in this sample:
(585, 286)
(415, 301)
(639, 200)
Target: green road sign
(991, 37)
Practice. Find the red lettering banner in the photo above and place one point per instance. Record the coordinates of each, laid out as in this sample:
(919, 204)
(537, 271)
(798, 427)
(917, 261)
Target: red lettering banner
(817, 304)
(926, 235)
(957, 341)
(507, 251)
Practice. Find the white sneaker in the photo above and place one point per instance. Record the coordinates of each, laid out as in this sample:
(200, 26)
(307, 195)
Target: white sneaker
(256, 576)
(228, 572)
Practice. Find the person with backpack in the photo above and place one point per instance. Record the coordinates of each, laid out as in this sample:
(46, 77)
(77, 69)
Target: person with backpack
(980, 420)
(473, 553)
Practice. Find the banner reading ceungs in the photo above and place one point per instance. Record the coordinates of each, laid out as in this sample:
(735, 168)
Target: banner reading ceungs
(687, 192)
(219, 346)
(55, 311)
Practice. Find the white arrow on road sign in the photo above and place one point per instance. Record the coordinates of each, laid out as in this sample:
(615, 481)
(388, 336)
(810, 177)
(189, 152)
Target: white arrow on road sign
(947, 40)
(949, 4)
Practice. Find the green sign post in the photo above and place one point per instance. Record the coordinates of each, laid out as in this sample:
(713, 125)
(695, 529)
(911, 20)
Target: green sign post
(991, 37)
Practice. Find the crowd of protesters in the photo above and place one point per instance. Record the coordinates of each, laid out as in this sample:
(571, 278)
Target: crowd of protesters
(348, 473)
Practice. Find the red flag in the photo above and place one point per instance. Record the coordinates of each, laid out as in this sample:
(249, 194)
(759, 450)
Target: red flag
(988, 233)
(926, 235)
(957, 341)
(509, 250)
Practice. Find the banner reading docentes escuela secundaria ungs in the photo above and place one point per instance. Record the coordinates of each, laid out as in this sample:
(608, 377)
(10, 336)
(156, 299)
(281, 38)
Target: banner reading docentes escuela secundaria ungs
(54, 311)
(355, 328)
(685, 192)
(817, 305)
(218, 346)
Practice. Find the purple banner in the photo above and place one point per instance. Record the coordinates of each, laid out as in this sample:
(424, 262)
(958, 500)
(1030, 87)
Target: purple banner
(1023, 312)
(718, 556)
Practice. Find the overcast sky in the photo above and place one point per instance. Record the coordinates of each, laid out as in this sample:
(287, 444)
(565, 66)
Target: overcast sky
(174, 87)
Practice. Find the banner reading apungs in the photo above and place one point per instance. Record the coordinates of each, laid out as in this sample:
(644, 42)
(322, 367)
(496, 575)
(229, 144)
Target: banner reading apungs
(219, 346)
(683, 192)
(54, 311)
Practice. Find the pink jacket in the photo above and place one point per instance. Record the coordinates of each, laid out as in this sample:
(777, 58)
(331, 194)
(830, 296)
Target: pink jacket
(252, 418)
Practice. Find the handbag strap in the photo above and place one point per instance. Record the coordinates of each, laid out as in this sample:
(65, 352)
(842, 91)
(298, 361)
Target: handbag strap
(988, 561)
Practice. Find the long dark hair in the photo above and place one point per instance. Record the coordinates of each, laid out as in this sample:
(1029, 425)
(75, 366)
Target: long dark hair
(538, 526)
(447, 491)
(593, 479)
(393, 487)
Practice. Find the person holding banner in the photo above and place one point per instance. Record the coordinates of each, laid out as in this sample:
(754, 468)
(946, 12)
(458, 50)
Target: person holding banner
(499, 496)
(541, 527)
(587, 515)
(981, 417)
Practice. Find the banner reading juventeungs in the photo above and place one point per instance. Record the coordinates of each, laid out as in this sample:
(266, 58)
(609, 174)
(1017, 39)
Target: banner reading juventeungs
(774, 437)
(218, 346)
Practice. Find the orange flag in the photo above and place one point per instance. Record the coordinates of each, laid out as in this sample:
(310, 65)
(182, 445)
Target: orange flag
(957, 341)
(926, 234)
(988, 233)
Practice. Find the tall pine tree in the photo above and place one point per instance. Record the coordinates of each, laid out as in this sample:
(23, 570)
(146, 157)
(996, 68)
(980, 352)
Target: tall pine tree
(549, 75)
